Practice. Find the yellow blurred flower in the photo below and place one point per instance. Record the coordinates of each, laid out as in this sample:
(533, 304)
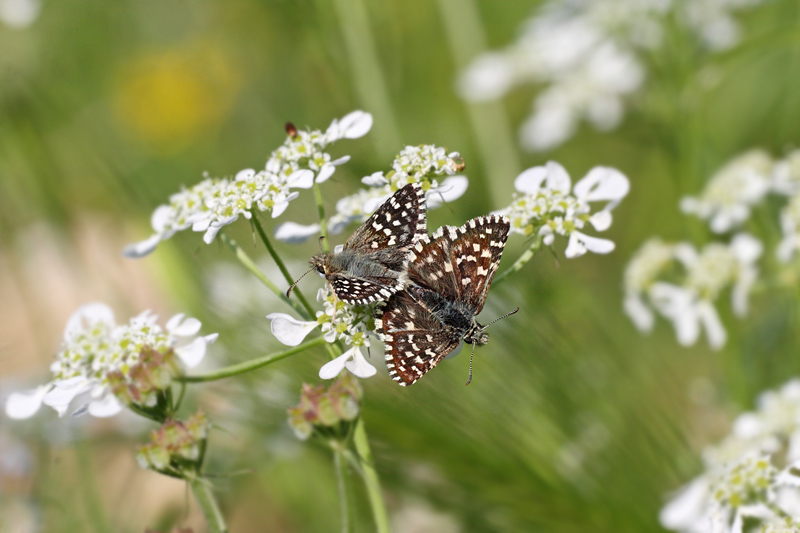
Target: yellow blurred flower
(170, 98)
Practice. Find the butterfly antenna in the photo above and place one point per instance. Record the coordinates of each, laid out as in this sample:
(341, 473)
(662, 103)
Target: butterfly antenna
(469, 379)
(501, 318)
(289, 292)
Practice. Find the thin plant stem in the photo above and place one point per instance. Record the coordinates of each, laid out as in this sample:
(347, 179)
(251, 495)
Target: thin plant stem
(371, 480)
(250, 265)
(521, 261)
(490, 124)
(323, 225)
(91, 497)
(278, 261)
(204, 494)
(340, 467)
(253, 364)
(368, 76)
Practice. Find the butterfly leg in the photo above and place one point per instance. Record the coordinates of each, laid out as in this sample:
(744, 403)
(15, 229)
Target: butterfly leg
(469, 379)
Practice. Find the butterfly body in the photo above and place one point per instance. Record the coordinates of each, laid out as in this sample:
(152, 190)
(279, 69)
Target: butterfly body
(371, 265)
(449, 276)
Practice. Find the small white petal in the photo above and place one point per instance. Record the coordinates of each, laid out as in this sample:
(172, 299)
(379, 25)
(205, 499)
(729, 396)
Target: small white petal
(183, 328)
(580, 243)
(341, 161)
(330, 335)
(64, 391)
(201, 224)
(746, 247)
(294, 233)
(530, 180)
(355, 124)
(450, 189)
(245, 174)
(211, 338)
(142, 248)
(92, 313)
(105, 407)
(301, 179)
(488, 77)
(641, 315)
(213, 229)
(557, 178)
(325, 172)
(688, 504)
(548, 127)
(601, 220)
(338, 248)
(160, 217)
(331, 369)
(358, 365)
(602, 183)
(280, 207)
(713, 325)
(575, 247)
(25, 404)
(376, 179)
(374, 203)
(192, 353)
(288, 330)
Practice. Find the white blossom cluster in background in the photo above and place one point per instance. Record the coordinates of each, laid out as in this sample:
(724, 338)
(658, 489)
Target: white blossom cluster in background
(585, 55)
(547, 205)
(682, 284)
(339, 321)
(213, 203)
(424, 164)
(101, 365)
(751, 475)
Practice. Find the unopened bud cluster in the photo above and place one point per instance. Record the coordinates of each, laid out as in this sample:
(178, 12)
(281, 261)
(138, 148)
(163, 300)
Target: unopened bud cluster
(152, 373)
(325, 408)
(174, 442)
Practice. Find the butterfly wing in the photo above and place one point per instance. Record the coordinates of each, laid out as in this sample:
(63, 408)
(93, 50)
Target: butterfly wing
(415, 339)
(475, 252)
(362, 291)
(397, 223)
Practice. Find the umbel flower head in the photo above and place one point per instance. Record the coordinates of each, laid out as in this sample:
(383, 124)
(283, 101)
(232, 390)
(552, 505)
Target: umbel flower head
(213, 203)
(548, 205)
(352, 324)
(682, 285)
(102, 366)
(731, 193)
(751, 474)
(424, 164)
(320, 408)
(175, 444)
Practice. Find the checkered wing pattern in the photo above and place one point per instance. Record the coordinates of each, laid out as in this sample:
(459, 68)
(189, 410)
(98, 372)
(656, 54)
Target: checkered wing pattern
(397, 223)
(358, 291)
(415, 339)
(460, 263)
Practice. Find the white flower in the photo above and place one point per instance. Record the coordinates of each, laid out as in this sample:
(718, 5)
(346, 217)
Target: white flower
(545, 206)
(786, 177)
(353, 361)
(643, 269)
(422, 164)
(19, 13)
(689, 304)
(215, 203)
(292, 232)
(94, 367)
(731, 193)
(352, 324)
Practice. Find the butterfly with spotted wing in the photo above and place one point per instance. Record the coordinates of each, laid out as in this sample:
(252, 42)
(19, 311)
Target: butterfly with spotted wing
(371, 265)
(450, 274)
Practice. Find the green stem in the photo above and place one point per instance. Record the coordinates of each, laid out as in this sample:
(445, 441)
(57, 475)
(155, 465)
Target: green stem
(253, 364)
(371, 480)
(91, 497)
(323, 225)
(368, 77)
(519, 263)
(204, 495)
(490, 125)
(250, 265)
(278, 261)
(341, 484)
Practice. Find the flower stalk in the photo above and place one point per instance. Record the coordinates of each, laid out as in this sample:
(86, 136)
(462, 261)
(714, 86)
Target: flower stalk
(204, 494)
(521, 261)
(323, 225)
(371, 479)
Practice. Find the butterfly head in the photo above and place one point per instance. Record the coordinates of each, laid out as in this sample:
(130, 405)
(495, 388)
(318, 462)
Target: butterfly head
(320, 264)
(477, 335)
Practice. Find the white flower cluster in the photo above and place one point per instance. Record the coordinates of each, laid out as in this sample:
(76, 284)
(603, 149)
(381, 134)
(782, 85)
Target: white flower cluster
(682, 285)
(423, 164)
(548, 205)
(584, 53)
(751, 474)
(214, 203)
(352, 324)
(104, 365)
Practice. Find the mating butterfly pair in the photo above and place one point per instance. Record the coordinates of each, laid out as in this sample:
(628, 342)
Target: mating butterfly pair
(446, 278)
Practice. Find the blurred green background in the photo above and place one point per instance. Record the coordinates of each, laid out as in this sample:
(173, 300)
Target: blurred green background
(573, 422)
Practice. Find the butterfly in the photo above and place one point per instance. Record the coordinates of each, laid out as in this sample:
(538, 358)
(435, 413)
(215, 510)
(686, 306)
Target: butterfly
(449, 274)
(371, 265)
